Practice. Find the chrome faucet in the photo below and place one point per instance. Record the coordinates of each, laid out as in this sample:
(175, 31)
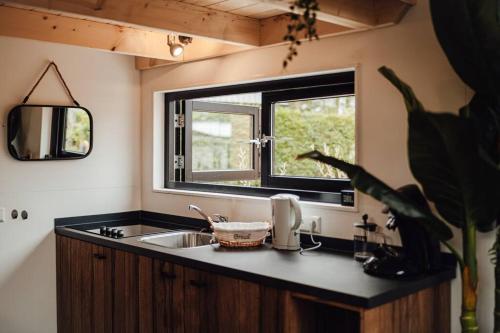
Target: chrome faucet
(205, 216)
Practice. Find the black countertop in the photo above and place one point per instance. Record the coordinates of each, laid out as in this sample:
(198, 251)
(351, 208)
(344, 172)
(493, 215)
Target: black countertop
(326, 274)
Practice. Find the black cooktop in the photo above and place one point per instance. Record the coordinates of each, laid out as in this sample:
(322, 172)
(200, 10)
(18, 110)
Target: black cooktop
(126, 230)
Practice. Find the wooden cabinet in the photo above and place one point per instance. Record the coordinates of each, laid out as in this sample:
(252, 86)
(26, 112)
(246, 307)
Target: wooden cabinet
(84, 287)
(103, 290)
(190, 300)
(168, 299)
(132, 293)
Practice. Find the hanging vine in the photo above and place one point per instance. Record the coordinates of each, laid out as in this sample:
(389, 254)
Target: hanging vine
(302, 20)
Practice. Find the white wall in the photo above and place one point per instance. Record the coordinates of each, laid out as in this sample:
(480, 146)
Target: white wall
(410, 48)
(106, 181)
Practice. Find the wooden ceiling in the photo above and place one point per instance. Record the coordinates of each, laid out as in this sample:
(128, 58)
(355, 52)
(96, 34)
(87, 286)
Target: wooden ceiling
(250, 8)
(218, 27)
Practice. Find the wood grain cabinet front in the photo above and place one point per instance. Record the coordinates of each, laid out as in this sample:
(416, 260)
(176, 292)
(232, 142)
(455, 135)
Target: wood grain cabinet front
(84, 287)
(103, 290)
(168, 297)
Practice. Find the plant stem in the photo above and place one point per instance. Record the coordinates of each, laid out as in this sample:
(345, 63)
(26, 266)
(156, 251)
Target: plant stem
(469, 280)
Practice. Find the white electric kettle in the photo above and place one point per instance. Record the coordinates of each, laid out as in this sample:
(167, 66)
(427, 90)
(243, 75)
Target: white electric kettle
(287, 218)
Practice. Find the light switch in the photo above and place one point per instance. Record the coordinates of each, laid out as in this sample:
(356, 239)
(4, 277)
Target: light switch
(2, 214)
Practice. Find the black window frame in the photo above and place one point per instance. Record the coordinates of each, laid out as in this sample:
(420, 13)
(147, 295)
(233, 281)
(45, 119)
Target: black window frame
(58, 135)
(309, 189)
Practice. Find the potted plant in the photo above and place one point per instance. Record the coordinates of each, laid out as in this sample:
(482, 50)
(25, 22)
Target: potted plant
(455, 158)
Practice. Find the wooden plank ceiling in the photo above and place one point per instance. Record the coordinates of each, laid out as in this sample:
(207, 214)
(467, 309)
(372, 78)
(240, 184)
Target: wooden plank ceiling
(218, 27)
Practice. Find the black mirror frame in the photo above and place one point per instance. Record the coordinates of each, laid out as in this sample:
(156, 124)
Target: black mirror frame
(10, 129)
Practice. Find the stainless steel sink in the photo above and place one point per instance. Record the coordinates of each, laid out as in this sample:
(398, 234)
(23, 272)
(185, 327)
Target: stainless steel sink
(179, 239)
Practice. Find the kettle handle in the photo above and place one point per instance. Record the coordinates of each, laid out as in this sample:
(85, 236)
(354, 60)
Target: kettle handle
(298, 213)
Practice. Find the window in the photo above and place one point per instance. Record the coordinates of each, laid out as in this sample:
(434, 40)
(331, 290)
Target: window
(219, 142)
(71, 134)
(244, 139)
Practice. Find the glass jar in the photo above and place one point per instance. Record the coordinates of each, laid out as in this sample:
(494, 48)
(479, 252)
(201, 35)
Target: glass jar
(365, 239)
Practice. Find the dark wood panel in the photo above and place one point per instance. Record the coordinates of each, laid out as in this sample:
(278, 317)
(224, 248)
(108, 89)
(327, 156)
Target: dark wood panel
(126, 293)
(133, 293)
(81, 286)
(84, 286)
(168, 297)
(63, 284)
(200, 293)
(426, 311)
(238, 305)
(104, 290)
(102, 277)
(146, 291)
(271, 314)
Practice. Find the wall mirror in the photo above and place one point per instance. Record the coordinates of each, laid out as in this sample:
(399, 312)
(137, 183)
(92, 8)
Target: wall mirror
(49, 132)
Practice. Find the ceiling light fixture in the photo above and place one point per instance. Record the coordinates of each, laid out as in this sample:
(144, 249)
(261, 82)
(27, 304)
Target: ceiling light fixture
(176, 49)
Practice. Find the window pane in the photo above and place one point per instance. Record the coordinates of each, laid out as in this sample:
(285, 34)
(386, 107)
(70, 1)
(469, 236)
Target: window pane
(247, 183)
(326, 124)
(221, 141)
(77, 131)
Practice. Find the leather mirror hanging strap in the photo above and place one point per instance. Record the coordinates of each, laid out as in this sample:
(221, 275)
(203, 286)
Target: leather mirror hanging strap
(60, 77)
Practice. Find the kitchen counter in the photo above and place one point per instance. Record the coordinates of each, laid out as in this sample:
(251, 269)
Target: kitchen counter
(326, 274)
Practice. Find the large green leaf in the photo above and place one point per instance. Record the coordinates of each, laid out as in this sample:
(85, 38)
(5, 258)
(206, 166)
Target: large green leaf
(469, 32)
(374, 187)
(444, 158)
(484, 111)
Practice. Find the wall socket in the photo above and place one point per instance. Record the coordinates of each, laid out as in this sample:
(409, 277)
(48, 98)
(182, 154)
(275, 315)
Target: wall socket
(307, 223)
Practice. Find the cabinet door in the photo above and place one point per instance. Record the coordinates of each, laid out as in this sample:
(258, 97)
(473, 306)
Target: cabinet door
(216, 303)
(246, 307)
(168, 284)
(133, 293)
(200, 295)
(84, 286)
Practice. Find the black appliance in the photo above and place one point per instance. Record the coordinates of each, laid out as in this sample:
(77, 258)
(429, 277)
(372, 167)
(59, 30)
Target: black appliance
(420, 251)
(126, 230)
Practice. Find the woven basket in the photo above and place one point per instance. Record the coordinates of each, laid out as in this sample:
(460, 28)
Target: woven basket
(241, 234)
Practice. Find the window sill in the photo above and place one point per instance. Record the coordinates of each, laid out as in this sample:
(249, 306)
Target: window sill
(324, 205)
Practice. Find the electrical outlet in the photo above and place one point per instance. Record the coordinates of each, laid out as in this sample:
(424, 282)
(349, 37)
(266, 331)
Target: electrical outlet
(307, 222)
(2, 215)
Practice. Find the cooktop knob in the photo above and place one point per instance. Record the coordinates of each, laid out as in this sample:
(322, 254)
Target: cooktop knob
(102, 230)
(114, 232)
(108, 231)
(120, 233)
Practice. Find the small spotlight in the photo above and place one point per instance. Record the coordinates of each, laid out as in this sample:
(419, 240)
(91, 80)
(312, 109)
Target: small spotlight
(176, 49)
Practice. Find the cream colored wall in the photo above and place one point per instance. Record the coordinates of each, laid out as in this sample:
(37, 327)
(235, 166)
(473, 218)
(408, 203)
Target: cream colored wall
(410, 48)
(106, 181)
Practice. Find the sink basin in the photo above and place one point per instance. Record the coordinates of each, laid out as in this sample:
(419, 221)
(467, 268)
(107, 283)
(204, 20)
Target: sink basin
(179, 239)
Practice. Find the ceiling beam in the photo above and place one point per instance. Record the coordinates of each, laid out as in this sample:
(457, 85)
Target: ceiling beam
(273, 29)
(204, 49)
(166, 15)
(142, 63)
(355, 14)
(381, 13)
(34, 24)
